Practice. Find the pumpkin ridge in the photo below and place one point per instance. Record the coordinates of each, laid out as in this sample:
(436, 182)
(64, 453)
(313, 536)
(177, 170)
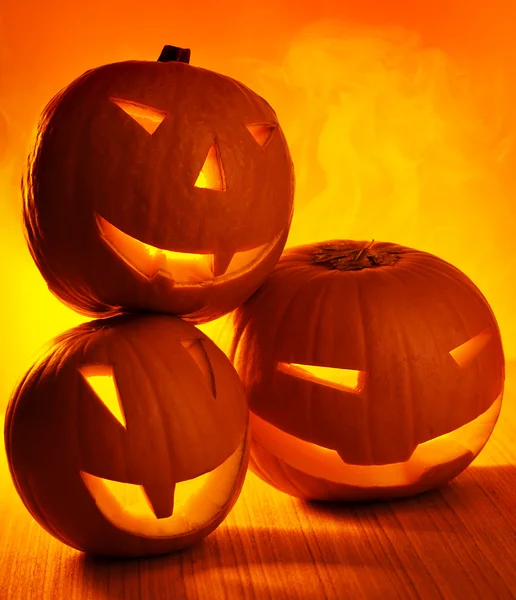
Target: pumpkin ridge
(466, 286)
(317, 334)
(194, 364)
(457, 278)
(132, 348)
(365, 397)
(293, 298)
(409, 382)
(29, 498)
(160, 359)
(29, 377)
(466, 327)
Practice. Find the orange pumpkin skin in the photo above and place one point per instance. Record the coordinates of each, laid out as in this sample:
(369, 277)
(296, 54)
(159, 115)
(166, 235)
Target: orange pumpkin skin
(421, 343)
(115, 173)
(185, 417)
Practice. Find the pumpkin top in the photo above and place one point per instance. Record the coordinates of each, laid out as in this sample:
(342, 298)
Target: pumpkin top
(174, 53)
(347, 255)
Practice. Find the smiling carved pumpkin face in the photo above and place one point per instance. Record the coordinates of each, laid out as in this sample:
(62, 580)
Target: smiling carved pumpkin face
(372, 371)
(158, 186)
(129, 438)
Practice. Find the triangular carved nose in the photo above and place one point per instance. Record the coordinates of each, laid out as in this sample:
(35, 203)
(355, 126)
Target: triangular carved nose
(211, 176)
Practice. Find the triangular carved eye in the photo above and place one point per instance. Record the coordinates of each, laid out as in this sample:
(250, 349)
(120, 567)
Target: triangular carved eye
(464, 354)
(149, 118)
(101, 379)
(262, 132)
(211, 176)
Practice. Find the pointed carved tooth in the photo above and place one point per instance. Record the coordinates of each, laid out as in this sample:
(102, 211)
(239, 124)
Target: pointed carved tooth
(160, 495)
(221, 261)
(244, 259)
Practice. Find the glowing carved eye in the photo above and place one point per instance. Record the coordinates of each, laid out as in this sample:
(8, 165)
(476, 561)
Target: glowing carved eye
(465, 353)
(149, 118)
(102, 381)
(211, 176)
(262, 132)
(347, 380)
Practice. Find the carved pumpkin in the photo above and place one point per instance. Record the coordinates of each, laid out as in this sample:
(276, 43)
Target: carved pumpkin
(129, 438)
(372, 371)
(158, 186)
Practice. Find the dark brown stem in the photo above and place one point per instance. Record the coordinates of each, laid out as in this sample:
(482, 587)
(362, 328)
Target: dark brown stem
(174, 54)
(346, 255)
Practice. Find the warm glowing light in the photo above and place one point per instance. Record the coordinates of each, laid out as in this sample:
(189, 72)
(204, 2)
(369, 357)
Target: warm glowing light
(102, 381)
(465, 353)
(147, 117)
(196, 501)
(246, 258)
(262, 132)
(148, 260)
(340, 379)
(211, 176)
(185, 268)
(326, 463)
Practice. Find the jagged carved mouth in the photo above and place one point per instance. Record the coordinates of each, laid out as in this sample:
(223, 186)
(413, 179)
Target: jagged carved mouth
(325, 463)
(183, 268)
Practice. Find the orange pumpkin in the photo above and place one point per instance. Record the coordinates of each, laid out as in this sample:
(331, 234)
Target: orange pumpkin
(372, 371)
(129, 437)
(158, 186)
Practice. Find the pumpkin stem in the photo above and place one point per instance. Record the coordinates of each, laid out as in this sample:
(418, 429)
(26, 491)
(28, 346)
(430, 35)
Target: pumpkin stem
(174, 53)
(348, 255)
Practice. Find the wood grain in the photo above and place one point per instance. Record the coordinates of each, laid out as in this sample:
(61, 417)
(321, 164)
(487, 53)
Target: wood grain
(458, 542)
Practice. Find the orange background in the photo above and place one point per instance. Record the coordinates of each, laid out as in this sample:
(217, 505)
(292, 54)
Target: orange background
(400, 116)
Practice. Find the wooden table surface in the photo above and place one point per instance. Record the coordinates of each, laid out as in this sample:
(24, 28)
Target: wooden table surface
(458, 542)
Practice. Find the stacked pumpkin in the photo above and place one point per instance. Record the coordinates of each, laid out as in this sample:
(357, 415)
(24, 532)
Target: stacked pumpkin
(154, 189)
(372, 370)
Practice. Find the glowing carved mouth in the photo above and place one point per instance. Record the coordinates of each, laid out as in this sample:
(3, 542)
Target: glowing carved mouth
(196, 502)
(185, 269)
(324, 463)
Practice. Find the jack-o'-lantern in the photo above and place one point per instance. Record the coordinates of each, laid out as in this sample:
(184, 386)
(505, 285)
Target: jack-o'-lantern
(372, 371)
(130, 437)
(158, 186)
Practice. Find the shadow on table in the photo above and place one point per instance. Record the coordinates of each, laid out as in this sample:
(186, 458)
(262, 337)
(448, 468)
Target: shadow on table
(217, 568)
(482, 488)
(332, 534)
(178, 576)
